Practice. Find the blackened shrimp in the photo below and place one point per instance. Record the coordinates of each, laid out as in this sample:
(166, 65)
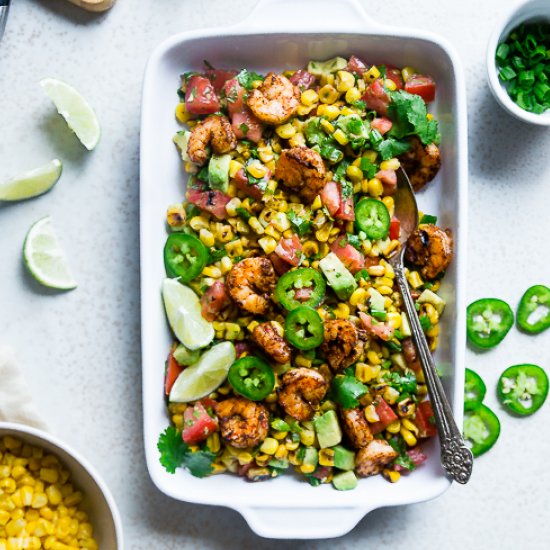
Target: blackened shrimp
(370, 460)
(268, 336)
(356, 427)
(302, 169)
(342, 345)
(275, 101)
(421, 162)
(251, 283)
(214, 131)
(431, 249)
(301, 392)
(243, 423)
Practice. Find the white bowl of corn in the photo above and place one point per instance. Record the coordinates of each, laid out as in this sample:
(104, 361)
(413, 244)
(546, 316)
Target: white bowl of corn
(51, 497)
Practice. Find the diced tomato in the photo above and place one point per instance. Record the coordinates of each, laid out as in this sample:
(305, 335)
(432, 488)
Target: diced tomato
(303, 294)
(395, 75)
(330, 197)
(382, 124)
(348, 255)
(424, 419)
(280, 266)
(173, 370)
(356, 65)
(417, 455)
(346, 211)
(385, 414)
(395, 228)
(234, 94)
(219, 77)
(200, 96)
(241, 347)
(376, 98)
(302, 80)
(212, 201)
(246, 126)
(197, 424)
(384, 331)
(252, 190)
(322, 473)
(290, 250)
(389, 181)
(215, 300)
(422, 85)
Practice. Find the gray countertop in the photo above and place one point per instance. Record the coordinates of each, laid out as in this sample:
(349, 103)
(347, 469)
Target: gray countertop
(80, 351)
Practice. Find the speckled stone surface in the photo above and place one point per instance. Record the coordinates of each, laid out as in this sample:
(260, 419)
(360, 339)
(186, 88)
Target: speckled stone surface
(80, 350)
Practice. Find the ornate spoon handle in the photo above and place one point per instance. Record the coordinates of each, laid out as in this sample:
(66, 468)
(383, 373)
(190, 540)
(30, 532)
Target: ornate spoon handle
(456, 458)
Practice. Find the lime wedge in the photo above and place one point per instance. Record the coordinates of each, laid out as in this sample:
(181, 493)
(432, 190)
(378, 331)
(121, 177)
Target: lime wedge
(32, 183)
(205, 376)
(44, 257)
(183, 310)
(75, 110)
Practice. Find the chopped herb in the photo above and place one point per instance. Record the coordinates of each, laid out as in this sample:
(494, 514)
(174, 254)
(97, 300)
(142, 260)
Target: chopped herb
(369, 169)
(280, 425)
(217, 254)
(203, 174)
(243, 213)
(301, 223)
(354, 241)
(243, 128)
(208, 65)
(313, 481)
(379, 315)
(191, 210)
(403, 460)
(246, 78)
(389, 148)
(428, 218)
(359, 104)
(362, 274)
(346, 389)
(425, 323)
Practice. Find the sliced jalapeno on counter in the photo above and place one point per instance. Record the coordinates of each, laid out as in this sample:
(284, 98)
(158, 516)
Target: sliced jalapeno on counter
(184, 256)
(372, 217)
(252, 378)
(533, 313)
(304, 328)
(488, 322)
(481, 429)
(301, 287)
(474, 390)
(523, 389)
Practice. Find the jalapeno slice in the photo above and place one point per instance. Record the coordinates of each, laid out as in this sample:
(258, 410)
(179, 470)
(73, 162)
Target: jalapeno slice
(304, 328)
(474, 390)
(184, 256)
(533, 314)
(481, 429)
(301, 287)
(488, 321)
(252, 378)
(522, 389)
(372, 217)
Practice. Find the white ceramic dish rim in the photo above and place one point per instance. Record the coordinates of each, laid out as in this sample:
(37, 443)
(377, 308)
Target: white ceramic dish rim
(526, 11)
(84, 464)
(323, 519)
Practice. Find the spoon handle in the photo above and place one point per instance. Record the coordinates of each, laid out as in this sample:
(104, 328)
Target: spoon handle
(456, 458)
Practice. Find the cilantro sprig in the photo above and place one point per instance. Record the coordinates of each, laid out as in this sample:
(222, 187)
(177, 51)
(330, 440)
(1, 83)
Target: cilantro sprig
(246, 78)
(300, 222)
(346, 390)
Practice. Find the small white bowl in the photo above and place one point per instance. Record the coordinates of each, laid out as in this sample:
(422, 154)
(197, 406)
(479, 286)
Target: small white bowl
(530, 11)
(98, 501)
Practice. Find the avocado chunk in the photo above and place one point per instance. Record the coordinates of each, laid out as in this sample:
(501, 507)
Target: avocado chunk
(344, 481)
(343, 458)
(328, 430)
(338, 276)
(311, 456)
(429, 297)
(218, 172)
(377, 302)
(319, 68)
(186, 357)
(181, 139)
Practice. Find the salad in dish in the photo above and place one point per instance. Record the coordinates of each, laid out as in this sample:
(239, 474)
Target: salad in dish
(292, 351)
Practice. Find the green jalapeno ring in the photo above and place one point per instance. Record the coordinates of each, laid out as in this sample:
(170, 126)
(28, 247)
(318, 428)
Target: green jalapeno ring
(252, 378)
(481, 428)
(488, 321)
(523, 389)
(298, 279)
(372, 217)
(184, 256)
(304, 328)
(474, 390)
(536, 299)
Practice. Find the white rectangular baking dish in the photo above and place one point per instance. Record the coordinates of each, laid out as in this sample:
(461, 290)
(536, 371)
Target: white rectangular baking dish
(285, 34)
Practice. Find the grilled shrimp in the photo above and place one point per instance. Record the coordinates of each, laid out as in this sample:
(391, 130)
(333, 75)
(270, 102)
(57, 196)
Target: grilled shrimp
(301, 392)
(370, 460)
(275, 101)
(342, 345)
(421, 162)
(251, 283)
(356, 427)
(243, 423)
(215, 131)
(267, 336)
(431, 249)
(302, 169)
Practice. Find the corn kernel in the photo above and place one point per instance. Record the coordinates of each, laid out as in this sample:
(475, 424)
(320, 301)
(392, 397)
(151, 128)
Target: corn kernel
(330, 112)
(372, 74)
(269, 446)
(375, 187)
(394, 427)
(4, 517)
(268, 244)
(390, 84)
(353, 95)
(307, 438)
(366, 373)
(342, 311)
(310, 248)
(414, 279)
(212, 271)
(309, 97)
(285, 131)
(307, 468)
(297, 140)
(372, 357)
(344, 81)
(390, 164)
(326, 457)
(408, 436)
(198, 222)
(354, 173)
(394, 320)
(272, 232)
(407, 72)
(328, 94)
(181, 113)
(327, 126)
(390, 204)
(302, 361)
(206, 237)
(391, 475)
(340, 137)
(376, 270)
(40, 500)
(370, 413)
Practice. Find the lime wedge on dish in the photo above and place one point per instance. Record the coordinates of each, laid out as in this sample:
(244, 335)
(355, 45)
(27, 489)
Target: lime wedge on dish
(32, 183)
(44, 257)
(75, 110)
(183, 310)
(205, 376)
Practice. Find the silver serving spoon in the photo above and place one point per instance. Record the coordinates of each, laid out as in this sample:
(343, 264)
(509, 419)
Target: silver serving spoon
(456, 457)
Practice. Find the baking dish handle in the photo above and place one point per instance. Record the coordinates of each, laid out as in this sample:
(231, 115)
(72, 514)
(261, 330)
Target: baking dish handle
(302, 523)
(323, 15)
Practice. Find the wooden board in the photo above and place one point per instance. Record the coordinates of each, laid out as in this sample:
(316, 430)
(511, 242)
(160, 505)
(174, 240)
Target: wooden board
(94, 5)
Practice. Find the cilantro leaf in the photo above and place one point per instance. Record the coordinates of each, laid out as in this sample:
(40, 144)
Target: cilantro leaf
(246, 78)
(409, 115)
(172, 449)
(428, 218)
(403, 383)
(313, 481)
(243, 213)
(346, 389)
(369, 169)
(199, 463)
(216, 254)
(300, 223)
(403, 460)
(389, 148)
(425, 323)
(354, 240)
